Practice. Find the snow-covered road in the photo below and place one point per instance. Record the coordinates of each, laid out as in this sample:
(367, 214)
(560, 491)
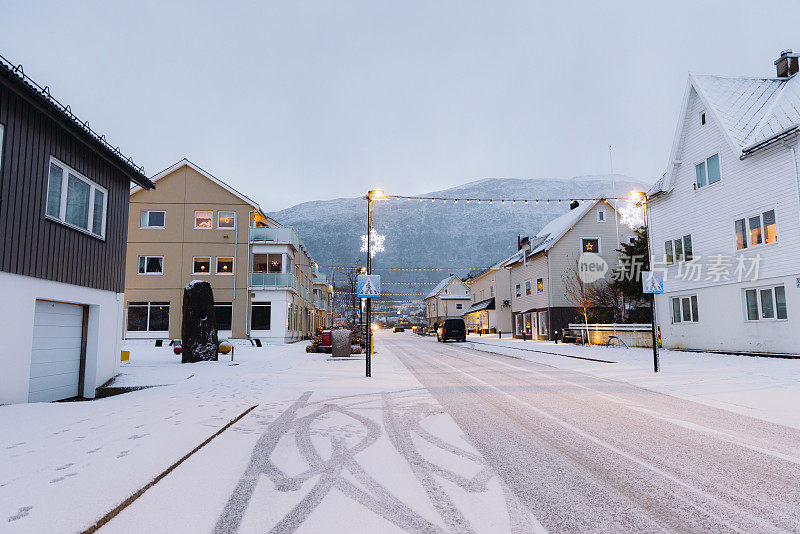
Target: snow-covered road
(588, 454)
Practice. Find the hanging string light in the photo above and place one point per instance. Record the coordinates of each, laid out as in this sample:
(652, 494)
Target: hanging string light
(560, 200)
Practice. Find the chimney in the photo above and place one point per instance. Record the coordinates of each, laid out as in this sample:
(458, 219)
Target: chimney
(574, 204)
(787, 63)
(522, 243)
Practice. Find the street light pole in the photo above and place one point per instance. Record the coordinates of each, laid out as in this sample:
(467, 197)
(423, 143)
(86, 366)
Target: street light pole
(656, 365)
(369, 271)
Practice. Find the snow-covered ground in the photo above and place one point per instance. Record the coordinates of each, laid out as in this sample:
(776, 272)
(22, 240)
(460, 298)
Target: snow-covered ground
(374, 442)
(765, 388)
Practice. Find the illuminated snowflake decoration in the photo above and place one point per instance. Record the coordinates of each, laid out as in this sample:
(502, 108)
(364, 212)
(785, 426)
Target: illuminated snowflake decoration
(376, 243)
(632, 215)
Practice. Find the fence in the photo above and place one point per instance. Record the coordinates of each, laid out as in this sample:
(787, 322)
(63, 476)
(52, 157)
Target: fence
(632, 335)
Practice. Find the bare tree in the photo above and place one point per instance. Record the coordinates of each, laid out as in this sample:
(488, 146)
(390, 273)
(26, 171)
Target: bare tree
(578, 293)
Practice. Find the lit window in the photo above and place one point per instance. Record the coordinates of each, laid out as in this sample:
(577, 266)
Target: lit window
(684, 309)
(153, 219)
(203, 219)
(202, 265)
(764, 304)
(590, 244)
(226, 219)
(275, 263)
(707, 172)
(151, 264)
(224, 265)
(527, 287)
(539, 285)
(755, 230)
(75, 200)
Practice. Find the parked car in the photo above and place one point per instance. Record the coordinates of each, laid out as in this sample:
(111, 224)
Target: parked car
(398, 329)
(452, 329)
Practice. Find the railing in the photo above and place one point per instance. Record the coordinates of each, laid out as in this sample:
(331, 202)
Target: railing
(272, 280)
(276, 235)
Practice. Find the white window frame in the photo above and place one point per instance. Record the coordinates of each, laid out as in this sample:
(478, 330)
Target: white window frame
(704, 162)
(746, 218)
(203, 227)
(194, 260)
(601, 216)
(149, 226)
(694, 319)
(599, 244)
(459, 306)
(703, 118)
(139, 261)
(216, 265)
(760, 309)
(62, 210)
(538, 290)
(632, 239)
(219, 214)
(528, 288)
(518, 290)
(149, 305)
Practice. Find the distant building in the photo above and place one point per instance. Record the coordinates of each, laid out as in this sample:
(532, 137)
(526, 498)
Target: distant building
(448, 300)
(200, 228)
(725, 218)
(490, 308)
(63, 214)
(539, 302)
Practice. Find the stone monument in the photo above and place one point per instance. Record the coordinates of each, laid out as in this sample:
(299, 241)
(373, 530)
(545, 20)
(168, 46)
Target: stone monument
(199, 327)
(340, 343)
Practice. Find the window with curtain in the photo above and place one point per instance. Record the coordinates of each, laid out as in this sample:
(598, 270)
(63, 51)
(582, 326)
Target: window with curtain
(755, 230)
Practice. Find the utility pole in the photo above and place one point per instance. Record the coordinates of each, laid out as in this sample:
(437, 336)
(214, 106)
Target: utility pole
(653, 324)
(371, 195)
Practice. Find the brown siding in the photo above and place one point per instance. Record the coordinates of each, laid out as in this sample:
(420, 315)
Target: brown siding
(32, 245)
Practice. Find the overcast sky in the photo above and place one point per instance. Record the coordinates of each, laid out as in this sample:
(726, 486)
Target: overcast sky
(300, 100)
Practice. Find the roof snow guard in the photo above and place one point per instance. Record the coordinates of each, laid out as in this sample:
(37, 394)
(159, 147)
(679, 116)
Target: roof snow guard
(16, 75)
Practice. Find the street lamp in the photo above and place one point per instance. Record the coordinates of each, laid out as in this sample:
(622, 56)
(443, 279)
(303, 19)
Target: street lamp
(375, 194)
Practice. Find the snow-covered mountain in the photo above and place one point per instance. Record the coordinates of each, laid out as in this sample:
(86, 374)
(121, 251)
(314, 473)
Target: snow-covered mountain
(432, 234)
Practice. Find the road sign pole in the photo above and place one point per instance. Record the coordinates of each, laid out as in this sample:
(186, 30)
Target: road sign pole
(655, 336)
(653, 323)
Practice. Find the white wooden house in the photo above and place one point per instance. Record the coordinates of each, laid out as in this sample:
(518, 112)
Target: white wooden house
(448, 300)
(490, 308)
(725, 217)
(539, 303)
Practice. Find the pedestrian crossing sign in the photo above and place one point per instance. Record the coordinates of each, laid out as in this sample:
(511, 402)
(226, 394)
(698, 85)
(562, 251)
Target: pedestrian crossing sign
(652, 282)
(369, 285)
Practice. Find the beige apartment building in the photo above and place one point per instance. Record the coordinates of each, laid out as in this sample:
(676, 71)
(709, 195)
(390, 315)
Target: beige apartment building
(196, 227)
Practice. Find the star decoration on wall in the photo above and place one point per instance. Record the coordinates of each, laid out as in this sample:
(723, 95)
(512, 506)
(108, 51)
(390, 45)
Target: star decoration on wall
(376, 243)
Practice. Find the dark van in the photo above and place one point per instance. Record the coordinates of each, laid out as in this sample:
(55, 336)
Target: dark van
(452, 329)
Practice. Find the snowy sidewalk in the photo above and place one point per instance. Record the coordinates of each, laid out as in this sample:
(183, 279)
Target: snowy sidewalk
(765, 388)
(326, 449)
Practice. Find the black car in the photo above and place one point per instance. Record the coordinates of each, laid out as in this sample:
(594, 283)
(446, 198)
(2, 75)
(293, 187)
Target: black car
(452, 329)
(398, 329)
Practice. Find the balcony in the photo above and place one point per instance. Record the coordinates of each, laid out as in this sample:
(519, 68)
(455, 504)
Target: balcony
(280, 236)
(272, 281)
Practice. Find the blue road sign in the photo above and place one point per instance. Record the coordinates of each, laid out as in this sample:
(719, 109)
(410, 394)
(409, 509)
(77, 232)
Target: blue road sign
(369, 285)
(652, 282)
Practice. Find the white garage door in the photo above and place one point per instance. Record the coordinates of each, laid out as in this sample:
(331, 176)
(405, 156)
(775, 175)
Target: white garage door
(56, 356)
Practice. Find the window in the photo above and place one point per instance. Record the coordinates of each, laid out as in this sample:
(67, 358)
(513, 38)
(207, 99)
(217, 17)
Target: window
(707, 172)
(668, 256)
(518, 290)
(590, 244)
(632, 239)
(754, 230)
(768, 303)
(678, 250)
(687, 247)
(224, 314)
(527, 287)
(224, 265)
(151, 264)
(201, 265)
(259, 263)
(203, 220)
(75, 200)
(459, 306)
(601, 215)
(539, 285)
(684, 309)
(226, 219)
(153, 219)
(703, 118)
(148, 316)
(276, 264)
(491, 291)
(260, 315)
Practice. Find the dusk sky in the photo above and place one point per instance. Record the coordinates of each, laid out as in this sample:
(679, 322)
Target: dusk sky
(298, 101)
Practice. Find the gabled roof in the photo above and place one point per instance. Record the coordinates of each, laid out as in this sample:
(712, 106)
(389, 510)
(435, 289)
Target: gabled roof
(556, 229)
(487, 304)
(441, 285)
(750, 111)
(63, 114)
(209, 176)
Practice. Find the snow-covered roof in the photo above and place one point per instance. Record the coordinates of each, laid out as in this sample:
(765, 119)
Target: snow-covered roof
(441, 285)
(750, 111)
(555, 229)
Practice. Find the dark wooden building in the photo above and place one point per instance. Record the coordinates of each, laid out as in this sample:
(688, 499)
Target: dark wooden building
(64, 196)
